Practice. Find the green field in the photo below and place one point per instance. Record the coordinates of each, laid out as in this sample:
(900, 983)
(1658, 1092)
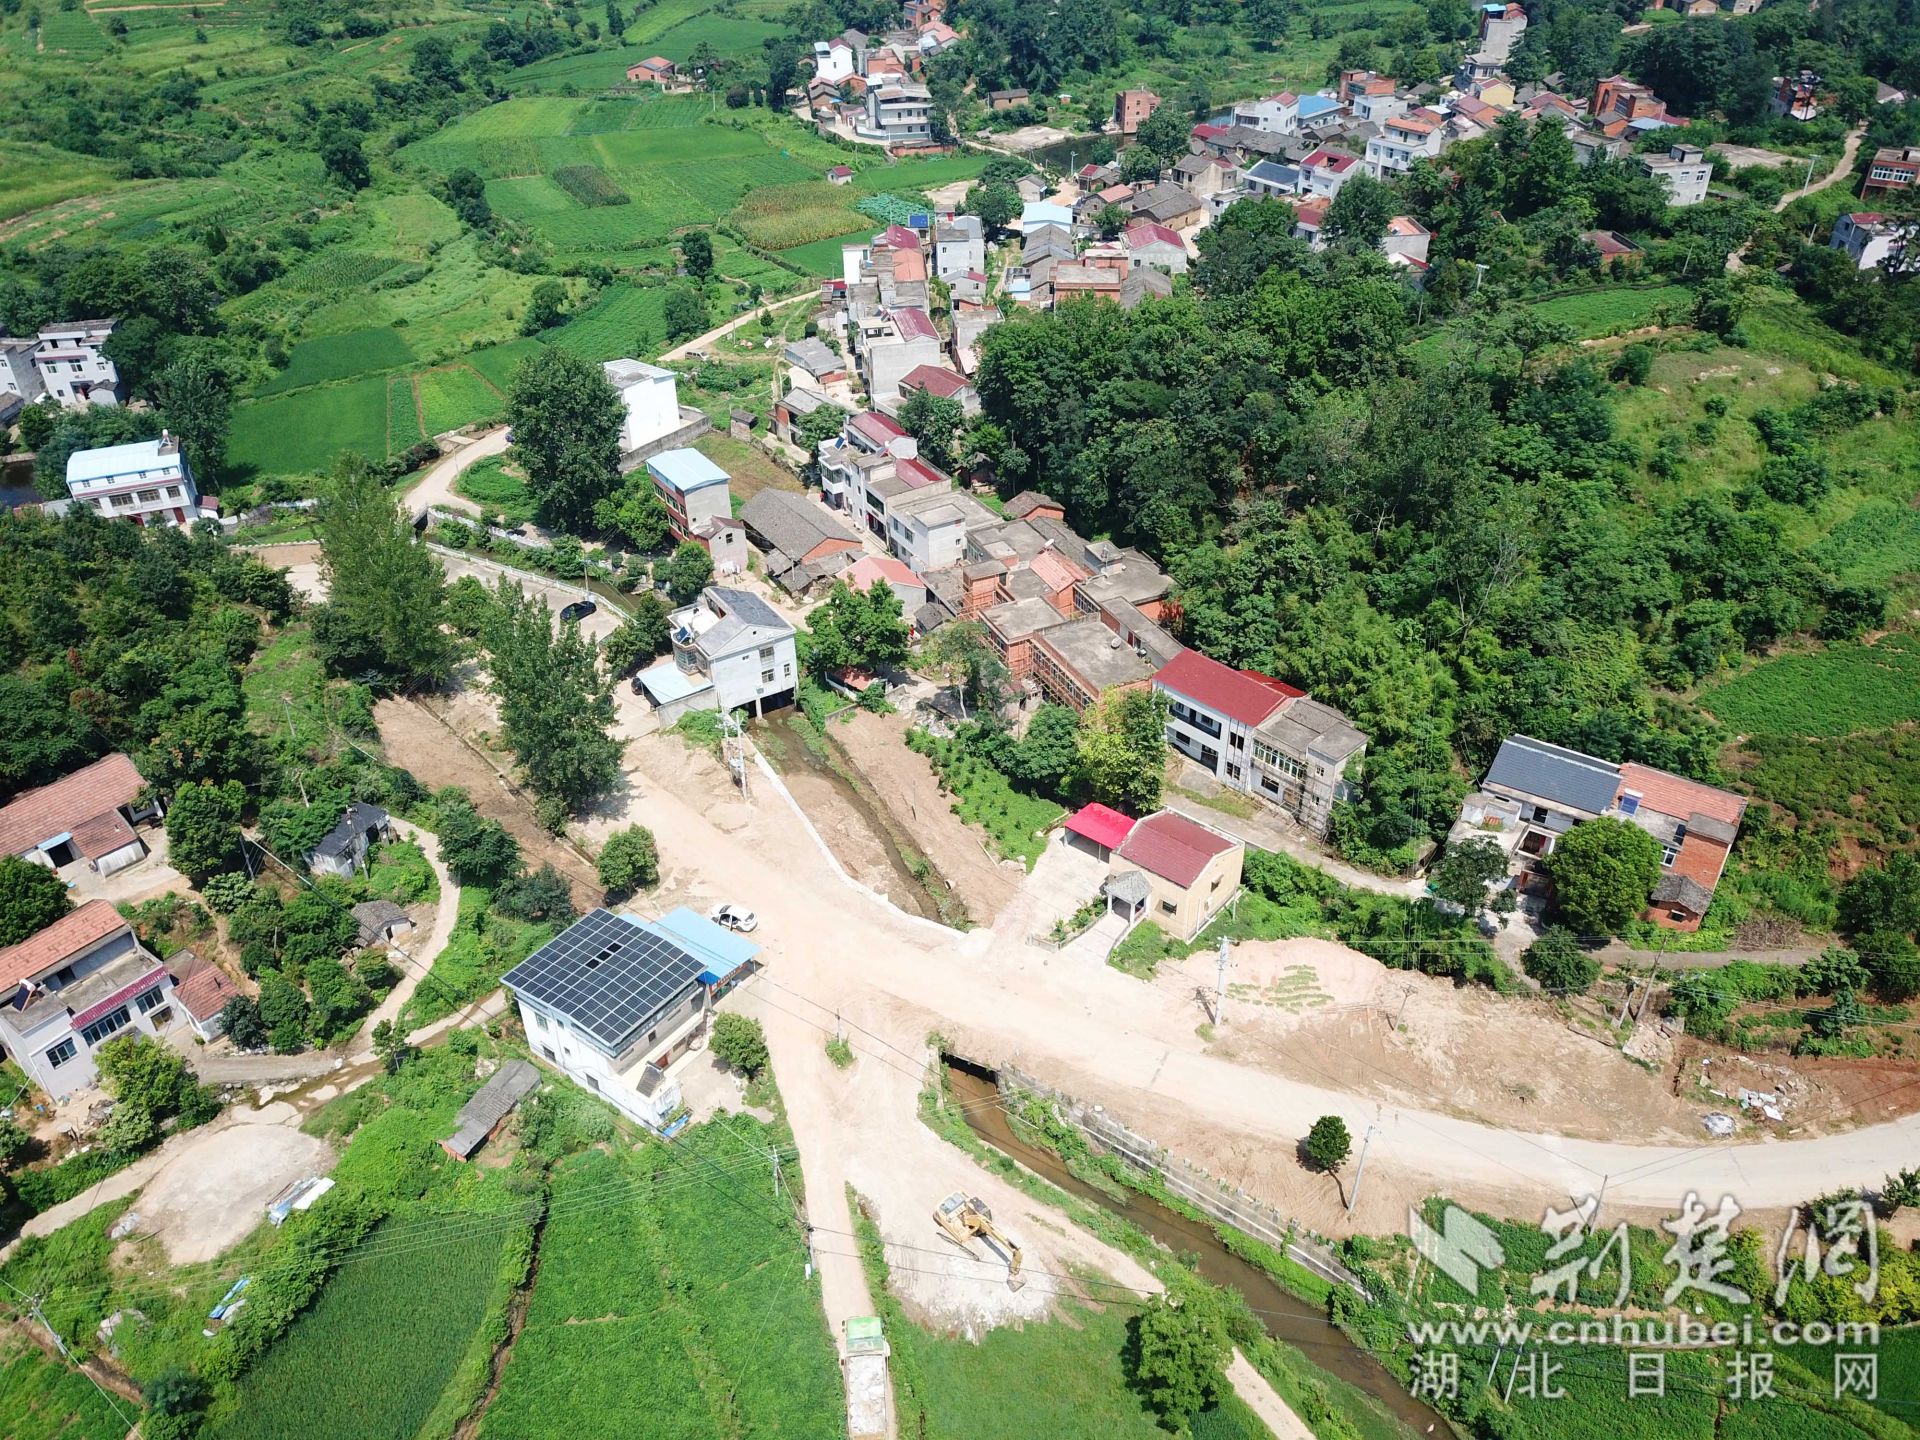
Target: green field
(1843, 690)
(457, 396)
(665, 1297)
(41, 1399)
(433, 1295)
(1604, 312)
(1062, 1379)
(489, 485)
(626, 320)
(822, 257)
(304, 433)
(340, 357)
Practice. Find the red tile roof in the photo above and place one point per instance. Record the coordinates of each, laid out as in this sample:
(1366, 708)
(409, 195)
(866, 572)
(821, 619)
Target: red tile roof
(1679, 797)
(76, 931)
(899, 237)
(1338, 161)
(913, 324)
(1207, 132)
(837, 170)
(67, 804)
(1173, 847)
(1100, 824)
(877, 427)
(935, 379)
(872, 570)
(909, 265)
(1145, 232)
(1059, 572)
(1221, 688)
(203, 989)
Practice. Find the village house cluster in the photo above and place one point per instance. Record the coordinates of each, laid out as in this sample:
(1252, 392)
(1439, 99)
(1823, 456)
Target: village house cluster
(63, 364)
(868, 88)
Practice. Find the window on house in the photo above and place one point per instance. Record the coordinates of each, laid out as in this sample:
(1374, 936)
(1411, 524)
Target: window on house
(1167, 907)
(548, 1053)
(592, 1083)
(1269, 784)
(1669, 852)
(1238, 742)
(766, 652)
(1629, 802)
(149, 497)
(766, 677)
(1233, 772)
(786, 671)
(61, 1054)
(145, 1003)
(106, 1025)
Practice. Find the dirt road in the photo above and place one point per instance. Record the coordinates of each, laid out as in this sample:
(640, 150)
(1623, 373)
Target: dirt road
(415, 959)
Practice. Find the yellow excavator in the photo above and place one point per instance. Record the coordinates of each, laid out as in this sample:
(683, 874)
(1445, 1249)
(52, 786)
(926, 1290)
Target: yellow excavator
(962, 1216)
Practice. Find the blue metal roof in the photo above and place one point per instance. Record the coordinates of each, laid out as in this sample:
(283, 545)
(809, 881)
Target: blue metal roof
(724, 951)
(686, 470)
(1311, 105)
(1552, 772)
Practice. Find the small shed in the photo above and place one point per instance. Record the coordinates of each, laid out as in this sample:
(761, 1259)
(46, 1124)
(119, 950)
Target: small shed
(740, 424)
(202, 990)
(491, 1104)
(1098, 829)
(380, 922)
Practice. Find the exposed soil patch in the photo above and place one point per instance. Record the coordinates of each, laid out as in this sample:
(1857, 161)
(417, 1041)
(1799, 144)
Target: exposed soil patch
(905, 784)
(416, 739)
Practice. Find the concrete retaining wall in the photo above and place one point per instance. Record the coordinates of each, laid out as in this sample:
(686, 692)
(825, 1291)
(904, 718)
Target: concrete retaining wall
(1211, 1197)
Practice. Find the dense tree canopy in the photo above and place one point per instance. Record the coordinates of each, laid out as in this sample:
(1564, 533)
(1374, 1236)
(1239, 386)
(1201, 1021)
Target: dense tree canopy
(566, 423)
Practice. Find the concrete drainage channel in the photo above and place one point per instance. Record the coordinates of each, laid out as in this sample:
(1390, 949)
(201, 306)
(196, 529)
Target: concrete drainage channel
(1287, 1318)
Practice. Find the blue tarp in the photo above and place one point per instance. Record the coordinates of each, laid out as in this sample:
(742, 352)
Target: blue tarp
(723, 950)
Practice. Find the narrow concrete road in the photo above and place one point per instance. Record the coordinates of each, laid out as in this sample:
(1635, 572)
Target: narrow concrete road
(436, 487)
(687, 347)
(1834, 176)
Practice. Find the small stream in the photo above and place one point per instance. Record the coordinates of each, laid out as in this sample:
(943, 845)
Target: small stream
(793, 733)
(1289, 1319)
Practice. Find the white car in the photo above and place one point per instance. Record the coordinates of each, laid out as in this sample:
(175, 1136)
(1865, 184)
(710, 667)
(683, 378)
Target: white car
(734, 918)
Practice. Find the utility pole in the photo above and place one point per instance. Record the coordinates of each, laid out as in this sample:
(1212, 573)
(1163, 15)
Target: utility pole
(1361, 1171)
(774, 1152)
(287, 701)
(1404, 998)
(1220, 985)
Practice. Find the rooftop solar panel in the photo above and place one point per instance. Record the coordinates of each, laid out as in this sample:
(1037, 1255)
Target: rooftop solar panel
(606, 975)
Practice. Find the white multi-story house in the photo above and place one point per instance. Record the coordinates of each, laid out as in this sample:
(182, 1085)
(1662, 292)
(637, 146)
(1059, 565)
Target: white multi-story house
(614, 1001)
(1260, 736)
(1401, 141)
(73, 365)
(959, 246)
(148, 481)
(651, 398)
(19, 376)
(898, 113)
(1873, 241)
(1273, 114)
(1685, 172)
(74, 986)
(928, 528)
(833, 60)
(1323, 172)
(890, 344)
(731, 651)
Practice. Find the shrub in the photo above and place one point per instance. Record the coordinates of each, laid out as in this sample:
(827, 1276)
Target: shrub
(1556, 962)
(629, 860)
(839, 1052)
(741, 1043)
(226, 893)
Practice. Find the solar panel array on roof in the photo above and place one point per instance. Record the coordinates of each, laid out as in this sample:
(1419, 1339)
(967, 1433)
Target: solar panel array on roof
(606, 975)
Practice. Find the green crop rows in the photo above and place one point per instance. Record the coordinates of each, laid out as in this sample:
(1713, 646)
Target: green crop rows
(1844, 690)
(396, 1326)
(455, 397)
(41, 1399)
(340, 357)
(590, 185)
(678, 1303)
